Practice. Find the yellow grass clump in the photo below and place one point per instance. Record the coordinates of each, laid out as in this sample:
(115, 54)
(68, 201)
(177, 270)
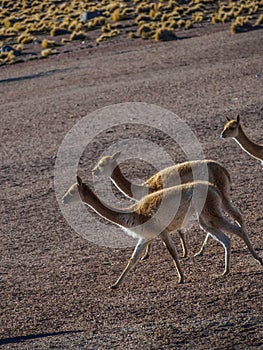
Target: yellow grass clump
(23, 22)
(77, 36)
(26, 39)
(142, 18)
(106, 36)
(116, 15)
(163, 34)
(259, 20)
(9, 58)
(132, 35)
(145, 31)
(95, 23)
(106, 28)
(19, 27)
(241, 24)
(64, 41)
(58, 31)
(19, 47)
(198, 17)
(48, 43)
(144, 8)
(9, 32)
(7, 23)
(47, 52)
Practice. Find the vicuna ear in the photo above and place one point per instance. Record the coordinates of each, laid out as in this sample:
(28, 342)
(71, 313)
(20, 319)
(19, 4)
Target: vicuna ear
(228, 119)
(238, 118)
(79, 181)
(116, 155)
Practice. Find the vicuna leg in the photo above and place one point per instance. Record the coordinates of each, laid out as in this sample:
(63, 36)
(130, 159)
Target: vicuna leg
(232, 211)
(132, 261)
(183, 243)
(166, 238)
(228, 227)
(217, 234)
(201, 251)
(147, 252)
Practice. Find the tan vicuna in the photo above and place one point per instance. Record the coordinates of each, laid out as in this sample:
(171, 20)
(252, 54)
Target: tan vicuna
(143, 220)
(174, 175)
(234, 129)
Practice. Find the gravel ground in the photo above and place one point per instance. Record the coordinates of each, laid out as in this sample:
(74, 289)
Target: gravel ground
(54, 283)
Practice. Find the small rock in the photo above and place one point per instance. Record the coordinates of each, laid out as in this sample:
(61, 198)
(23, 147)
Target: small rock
(90, 15)
(8, 48)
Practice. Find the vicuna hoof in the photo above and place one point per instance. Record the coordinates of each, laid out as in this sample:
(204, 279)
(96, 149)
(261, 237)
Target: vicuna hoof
(181, 280)
(114, 286)
(225, 273)
(200, 253)
(145, 257)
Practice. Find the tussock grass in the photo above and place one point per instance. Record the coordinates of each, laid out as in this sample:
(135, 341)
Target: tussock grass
(48, 43)
(24, 22)
(109, 35)
(47, 52)
(163, 34)
(78, 36)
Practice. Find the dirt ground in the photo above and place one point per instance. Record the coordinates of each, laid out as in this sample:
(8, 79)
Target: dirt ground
(54, 283)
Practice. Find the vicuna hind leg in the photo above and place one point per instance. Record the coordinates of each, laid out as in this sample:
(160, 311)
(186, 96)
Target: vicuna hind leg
(212, 229)
(232, 211)
(169, 244)
(228, 227)
(141, 245)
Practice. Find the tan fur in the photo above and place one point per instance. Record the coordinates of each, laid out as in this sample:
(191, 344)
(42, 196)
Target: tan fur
(210, 218)
(234, 129)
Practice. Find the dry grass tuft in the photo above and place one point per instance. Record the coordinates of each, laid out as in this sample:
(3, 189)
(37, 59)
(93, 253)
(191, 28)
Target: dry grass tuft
(145, 31)
(24, 22)
(241, 24)
(78, 36)
(47, 52)
(163, 34)
(109, 35)
(48, 43)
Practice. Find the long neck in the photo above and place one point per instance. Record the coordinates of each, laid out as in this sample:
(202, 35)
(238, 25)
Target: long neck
(126, 187)
(121, 217)
(250, 147)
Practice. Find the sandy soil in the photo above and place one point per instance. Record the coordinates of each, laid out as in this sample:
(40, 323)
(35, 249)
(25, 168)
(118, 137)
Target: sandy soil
(54, 283)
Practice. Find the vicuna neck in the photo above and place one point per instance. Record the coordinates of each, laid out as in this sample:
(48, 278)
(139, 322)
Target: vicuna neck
(119, 217)
(248, 146)
(124, 185)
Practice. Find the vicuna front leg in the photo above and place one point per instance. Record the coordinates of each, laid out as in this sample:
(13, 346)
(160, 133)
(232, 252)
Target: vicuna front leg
(141, 245)
(183, 243)
(147, 251)
(166, 238)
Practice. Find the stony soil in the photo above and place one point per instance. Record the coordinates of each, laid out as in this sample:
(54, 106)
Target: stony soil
(54, 283)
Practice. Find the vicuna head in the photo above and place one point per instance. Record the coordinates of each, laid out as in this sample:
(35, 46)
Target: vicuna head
(72, 195)
(231, 128)
(106, 165)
